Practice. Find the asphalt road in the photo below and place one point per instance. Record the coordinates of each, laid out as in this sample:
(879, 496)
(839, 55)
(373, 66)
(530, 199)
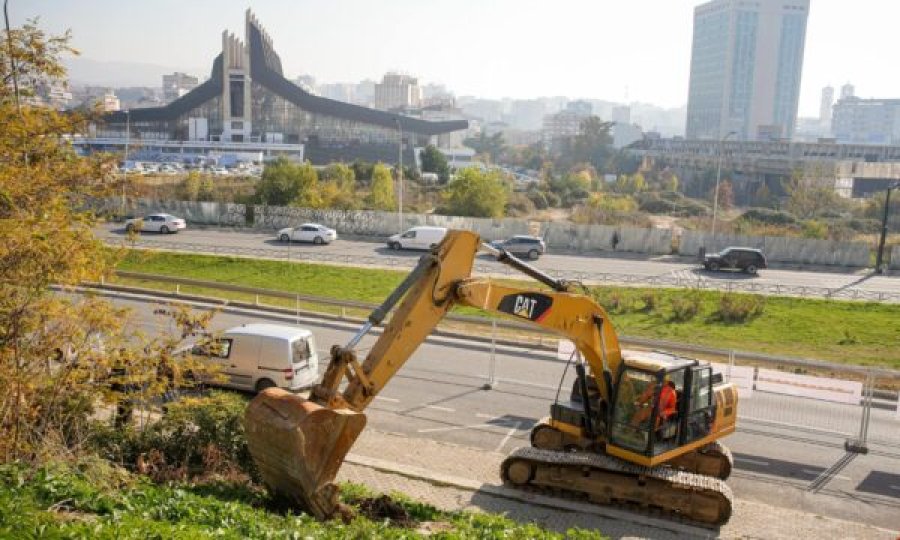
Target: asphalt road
(626, 265)
(780, 457)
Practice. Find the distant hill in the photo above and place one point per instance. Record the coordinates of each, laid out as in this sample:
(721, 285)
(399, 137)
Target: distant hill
(118, 74)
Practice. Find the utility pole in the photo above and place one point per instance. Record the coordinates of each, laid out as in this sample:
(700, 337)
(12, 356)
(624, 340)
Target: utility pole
(718, 177)
(879, 259)
(400, 178)
(125, 160)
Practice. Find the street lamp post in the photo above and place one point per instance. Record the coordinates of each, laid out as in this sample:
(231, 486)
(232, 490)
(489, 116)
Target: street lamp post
(125, 160)
(400, 177)
(879, 259)
(718, 178)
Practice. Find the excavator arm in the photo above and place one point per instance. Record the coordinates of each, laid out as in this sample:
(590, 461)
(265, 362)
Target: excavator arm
(299, 444)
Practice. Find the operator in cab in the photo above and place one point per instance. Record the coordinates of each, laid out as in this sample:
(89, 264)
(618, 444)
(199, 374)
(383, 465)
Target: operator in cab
(668, 404)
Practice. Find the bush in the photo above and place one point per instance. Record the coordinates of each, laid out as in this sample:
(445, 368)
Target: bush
(194, 437)
(539, 199)
(739, 308)
(684, 307)
(650, 300)
(769, 217)
(815, 229)
(519, 205)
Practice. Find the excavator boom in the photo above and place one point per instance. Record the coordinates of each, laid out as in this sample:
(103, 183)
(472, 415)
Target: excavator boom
(299, 444)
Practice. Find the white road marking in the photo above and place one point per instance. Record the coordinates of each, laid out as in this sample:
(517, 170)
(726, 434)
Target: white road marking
(754, 461)
(451, 428)
(489, 416)
(820, 473)
(509, 434)
(388, 399)
(439, 408)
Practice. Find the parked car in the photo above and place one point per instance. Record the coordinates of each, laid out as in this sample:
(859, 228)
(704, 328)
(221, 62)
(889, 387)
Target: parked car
(254, 357)
(161, 223)
(749, 260)
(522, 246)
(417, 238)
(308, 232)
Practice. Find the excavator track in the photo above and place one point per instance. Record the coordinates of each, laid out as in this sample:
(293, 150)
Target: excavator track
(607, 480)
(713, 460)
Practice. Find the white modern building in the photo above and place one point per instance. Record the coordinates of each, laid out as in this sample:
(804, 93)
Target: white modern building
(397, 91)
(177, 84)
(746, 62)
(866, 121)
(825, 107)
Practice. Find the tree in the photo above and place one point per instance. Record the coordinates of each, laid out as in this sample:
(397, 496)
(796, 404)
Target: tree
(810, 195)
(434, 161)
(285, 183)
(382, 195)
(188, 189)
(206, 190)
(342, 175)
(57, 351)
(492, 146)
(726, 195)
(475, 193)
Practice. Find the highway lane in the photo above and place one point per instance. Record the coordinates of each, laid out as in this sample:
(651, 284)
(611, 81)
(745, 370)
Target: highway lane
(439, 395)
(367, 252)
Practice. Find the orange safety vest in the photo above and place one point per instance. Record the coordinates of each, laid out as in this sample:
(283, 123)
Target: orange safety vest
(668, 403)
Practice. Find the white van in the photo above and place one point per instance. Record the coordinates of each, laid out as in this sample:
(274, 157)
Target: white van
(418, 238)
(254, 357)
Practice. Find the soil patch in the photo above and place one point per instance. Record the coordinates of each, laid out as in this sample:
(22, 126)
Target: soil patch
(384, 508)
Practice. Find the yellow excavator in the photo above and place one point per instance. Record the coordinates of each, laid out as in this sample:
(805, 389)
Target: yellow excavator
(640, 428)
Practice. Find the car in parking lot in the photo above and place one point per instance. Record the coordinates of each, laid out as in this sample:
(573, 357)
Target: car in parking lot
(308, 232)
(161, 223)
(749, 260)
(531, 247)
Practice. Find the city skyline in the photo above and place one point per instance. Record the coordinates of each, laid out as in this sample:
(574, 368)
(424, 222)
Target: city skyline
(577, 53)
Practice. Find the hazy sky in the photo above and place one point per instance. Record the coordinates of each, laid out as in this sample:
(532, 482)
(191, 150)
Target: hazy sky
(489, 48)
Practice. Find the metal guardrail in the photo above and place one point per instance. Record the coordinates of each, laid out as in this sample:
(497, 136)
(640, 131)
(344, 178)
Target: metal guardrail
(592, 278)
(785, 361)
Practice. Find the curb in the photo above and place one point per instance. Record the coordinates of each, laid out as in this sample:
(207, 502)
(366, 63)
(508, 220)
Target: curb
(501, 491)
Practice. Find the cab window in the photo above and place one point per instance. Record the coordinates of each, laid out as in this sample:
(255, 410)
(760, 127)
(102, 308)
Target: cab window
(301, 352)
(637, 390)
(409, 234)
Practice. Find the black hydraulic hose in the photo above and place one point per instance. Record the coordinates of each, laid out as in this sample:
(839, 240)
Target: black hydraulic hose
(426, 262)
(585, 399)
(508, 259)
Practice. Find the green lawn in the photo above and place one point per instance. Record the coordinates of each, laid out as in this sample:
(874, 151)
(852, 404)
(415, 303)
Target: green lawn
(94, 500)
(838, 331)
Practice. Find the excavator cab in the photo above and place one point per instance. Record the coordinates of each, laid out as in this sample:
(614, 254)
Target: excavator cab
(661, 404)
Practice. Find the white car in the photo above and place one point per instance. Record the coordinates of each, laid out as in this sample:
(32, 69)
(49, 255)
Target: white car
(308, 232)
(161, 223)
(417, 238)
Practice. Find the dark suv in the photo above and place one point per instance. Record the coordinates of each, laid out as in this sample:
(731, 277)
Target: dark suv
(736, 258)
(522, 246)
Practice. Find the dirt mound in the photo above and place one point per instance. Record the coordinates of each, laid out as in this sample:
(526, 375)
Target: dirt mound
(384, 508)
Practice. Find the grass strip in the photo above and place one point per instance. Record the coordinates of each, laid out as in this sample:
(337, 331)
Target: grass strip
(859, 333)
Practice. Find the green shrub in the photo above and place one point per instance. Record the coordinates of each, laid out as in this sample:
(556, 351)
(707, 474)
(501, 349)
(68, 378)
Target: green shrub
(739, 308)
(616, 300)
(684, 307)
(194, 437)
(769, 217)
(650, 299)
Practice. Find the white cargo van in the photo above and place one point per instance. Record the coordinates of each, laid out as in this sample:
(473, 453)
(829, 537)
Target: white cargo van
(418, 238)
(258, 356)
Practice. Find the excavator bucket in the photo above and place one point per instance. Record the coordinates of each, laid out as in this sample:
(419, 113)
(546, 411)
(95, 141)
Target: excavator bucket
(299, 446)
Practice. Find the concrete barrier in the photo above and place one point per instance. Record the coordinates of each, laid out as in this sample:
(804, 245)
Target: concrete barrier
(201, 213)
(559, 236)
(895, 258)
(781, 248)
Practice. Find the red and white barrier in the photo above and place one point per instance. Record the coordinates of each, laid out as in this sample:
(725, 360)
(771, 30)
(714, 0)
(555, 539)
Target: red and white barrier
(821, 388)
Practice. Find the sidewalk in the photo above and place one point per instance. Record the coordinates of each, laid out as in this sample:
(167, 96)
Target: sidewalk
(453, 477)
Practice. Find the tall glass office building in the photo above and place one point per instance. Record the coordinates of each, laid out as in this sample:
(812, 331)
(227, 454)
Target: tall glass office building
(746, 62)
(247, 101)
